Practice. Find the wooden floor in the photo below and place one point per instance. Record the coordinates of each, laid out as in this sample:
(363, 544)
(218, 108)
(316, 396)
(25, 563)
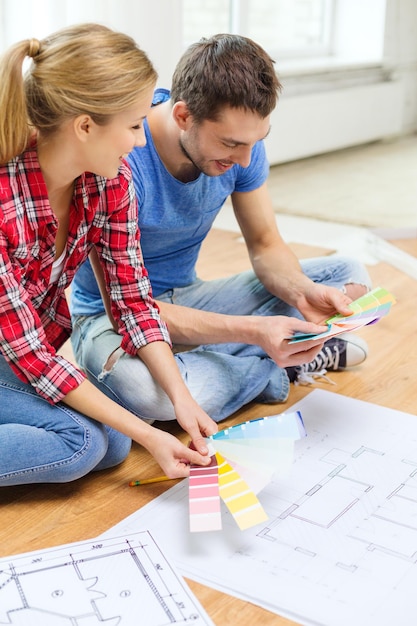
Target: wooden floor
(33, 517)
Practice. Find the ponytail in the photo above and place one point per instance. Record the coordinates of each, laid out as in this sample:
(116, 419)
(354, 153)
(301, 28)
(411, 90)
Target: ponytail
(15, 130)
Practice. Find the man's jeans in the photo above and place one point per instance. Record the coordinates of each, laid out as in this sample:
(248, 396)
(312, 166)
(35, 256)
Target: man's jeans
(42, 443)
(223, 377)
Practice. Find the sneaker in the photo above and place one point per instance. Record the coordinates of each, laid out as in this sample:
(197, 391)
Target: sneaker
(338, 353)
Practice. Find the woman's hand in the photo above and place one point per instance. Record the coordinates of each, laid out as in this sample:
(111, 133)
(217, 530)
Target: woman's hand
(173, 456)
(195, 421)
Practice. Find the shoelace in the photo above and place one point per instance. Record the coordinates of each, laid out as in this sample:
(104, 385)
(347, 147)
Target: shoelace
(309, 378)
(308, 373)
(326, 359)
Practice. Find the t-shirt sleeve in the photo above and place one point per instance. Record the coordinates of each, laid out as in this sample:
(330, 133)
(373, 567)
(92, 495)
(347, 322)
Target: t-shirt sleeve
(253, 176)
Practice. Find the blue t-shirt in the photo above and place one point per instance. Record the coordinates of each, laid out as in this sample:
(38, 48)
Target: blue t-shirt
(174, 218)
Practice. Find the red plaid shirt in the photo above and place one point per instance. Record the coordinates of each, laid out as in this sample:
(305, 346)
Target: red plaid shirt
(34, 316)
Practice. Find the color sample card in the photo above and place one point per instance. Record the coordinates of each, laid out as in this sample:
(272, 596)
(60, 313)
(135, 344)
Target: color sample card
(204, 497)
(366, 310)
(238, 497)
(243, 460)
(284, 425)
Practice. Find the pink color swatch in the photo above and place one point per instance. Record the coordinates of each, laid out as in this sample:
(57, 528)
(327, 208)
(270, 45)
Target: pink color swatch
(204, 498)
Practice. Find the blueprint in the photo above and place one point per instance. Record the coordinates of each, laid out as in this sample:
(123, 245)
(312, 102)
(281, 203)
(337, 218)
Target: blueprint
(340, 543)
(123, 581)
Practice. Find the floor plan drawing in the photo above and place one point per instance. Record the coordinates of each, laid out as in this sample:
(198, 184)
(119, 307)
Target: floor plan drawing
(340, 543)
(122, 581)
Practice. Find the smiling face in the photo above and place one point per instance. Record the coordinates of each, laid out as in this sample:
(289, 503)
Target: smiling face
(213, 147)
(109, 144)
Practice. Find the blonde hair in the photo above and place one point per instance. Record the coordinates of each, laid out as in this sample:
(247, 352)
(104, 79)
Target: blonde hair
(80, 69)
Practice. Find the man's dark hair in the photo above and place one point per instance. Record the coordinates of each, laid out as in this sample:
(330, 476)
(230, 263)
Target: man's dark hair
(225, 70)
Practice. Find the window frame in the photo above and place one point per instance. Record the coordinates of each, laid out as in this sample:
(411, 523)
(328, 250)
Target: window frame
(340, 52)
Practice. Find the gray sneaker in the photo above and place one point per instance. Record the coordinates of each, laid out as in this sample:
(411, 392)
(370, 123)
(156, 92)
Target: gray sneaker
(338, 353)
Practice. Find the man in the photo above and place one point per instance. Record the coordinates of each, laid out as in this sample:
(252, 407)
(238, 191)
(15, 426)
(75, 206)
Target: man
(204, 144)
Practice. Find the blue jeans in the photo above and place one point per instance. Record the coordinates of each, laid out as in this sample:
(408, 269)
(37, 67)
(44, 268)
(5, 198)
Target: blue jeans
(44, 443)
(223, 377)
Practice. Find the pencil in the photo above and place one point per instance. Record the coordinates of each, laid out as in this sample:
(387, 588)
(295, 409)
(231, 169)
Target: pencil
(147, 481)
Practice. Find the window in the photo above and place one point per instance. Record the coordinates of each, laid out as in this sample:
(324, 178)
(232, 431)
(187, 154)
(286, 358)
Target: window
(291, 29)
(286, 28)
(299, 34)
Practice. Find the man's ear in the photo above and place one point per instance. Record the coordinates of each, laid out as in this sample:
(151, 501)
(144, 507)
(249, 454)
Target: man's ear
(181, 115)
(82, 126)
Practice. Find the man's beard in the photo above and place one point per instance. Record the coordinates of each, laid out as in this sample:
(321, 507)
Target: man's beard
(188, 156)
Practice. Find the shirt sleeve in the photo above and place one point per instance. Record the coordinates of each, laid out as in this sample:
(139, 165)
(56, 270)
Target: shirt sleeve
(254, 176)
(133, 306)
(23, 340)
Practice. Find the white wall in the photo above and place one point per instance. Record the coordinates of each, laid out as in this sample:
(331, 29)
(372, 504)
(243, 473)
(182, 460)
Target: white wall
(400, 47)
(320, 109)
(329, 109)
(155, 24)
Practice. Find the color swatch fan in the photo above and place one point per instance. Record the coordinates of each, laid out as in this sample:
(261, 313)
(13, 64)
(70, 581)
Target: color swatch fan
(243, 460)
(367, 309)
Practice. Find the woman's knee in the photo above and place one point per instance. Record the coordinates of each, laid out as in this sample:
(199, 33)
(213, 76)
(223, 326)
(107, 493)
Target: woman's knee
(118, 449)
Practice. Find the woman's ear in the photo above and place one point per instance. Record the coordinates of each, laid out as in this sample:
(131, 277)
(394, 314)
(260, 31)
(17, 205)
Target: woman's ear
(82, 126)
(181, 115)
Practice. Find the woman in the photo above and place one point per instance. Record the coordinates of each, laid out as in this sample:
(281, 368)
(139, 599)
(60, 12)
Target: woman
(65, 190)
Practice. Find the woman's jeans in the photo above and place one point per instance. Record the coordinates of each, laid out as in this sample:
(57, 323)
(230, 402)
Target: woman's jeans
(223, 377)
(44, 443)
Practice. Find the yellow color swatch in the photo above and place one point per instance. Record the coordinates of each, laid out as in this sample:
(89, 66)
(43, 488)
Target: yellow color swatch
(238, 497)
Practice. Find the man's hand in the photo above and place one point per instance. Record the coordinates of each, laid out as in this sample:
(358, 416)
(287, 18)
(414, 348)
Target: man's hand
(318, 302)
(273, 334)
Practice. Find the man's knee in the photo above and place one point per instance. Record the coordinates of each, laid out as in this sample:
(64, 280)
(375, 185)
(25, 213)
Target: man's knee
(113, 359)
(355, 290)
